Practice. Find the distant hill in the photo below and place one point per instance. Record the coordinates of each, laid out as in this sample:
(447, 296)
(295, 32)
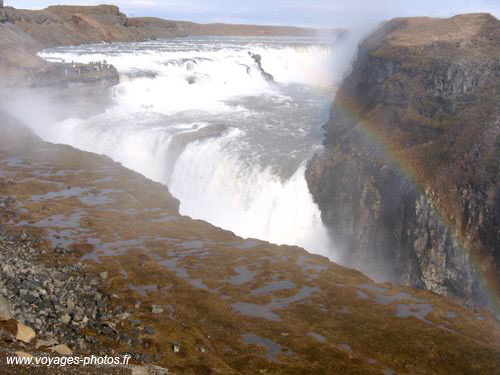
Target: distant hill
(24, 31)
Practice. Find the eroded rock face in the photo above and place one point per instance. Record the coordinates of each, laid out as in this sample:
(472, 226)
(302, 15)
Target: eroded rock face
(408, 182)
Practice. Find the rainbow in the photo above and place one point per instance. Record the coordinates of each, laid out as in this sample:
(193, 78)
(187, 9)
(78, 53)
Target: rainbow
(487, 279)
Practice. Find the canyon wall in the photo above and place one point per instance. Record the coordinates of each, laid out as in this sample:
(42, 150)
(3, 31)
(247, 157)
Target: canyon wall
(408, 181)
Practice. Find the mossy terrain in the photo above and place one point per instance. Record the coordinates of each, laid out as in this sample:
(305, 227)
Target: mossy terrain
(235, 306)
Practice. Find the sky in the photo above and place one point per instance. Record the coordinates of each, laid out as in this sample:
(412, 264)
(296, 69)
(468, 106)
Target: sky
(314, 13)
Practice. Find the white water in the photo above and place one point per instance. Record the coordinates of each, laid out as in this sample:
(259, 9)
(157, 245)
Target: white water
(249, 178)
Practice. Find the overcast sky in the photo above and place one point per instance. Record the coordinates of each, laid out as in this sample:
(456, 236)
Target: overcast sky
(323, 13)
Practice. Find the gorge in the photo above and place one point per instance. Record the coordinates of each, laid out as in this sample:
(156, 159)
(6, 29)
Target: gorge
(198, 113)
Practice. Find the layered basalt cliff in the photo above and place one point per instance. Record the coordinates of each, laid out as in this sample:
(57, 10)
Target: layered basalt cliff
(408, 182)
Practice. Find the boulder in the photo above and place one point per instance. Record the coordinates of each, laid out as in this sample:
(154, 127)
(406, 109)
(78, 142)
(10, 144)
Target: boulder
(24, 333)
(156, 309)
(62, 349)
(45, 343)
(5, 313)
(65, 318)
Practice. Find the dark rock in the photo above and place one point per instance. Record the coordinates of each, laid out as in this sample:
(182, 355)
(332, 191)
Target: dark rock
(30, 298)
(176, 347)
(429, 223)
(134, 322)
(258, 60)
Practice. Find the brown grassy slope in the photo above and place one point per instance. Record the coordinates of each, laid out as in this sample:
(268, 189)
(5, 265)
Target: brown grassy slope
(186, 266)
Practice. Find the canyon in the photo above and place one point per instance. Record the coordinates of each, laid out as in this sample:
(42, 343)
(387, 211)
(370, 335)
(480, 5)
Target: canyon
(407, 184)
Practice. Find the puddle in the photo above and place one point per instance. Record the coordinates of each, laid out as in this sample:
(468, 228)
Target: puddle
(143, 290)
(192, 245)
(164, 218)
(388, 371)
(13, 161)
(266, 311)
(247, 244)
(58, 221)
(49, 173)
(244, 275)
(105, 179)
(115, 248)
(273, 349)
(345, 347)
(362, 295)
(171, 264)
(195, 248)
(345, 310)
(64, 238)
(306, 291)
(308, 268)
(382, 299)
(373, 288)
(255, 311)
(419, 311)
(273, 287)
(451, 315)
(96, 199)
(199, 284)
(317, 336)
(62, 194)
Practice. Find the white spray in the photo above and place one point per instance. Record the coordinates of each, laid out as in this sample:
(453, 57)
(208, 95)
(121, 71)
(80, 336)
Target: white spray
(166, 92)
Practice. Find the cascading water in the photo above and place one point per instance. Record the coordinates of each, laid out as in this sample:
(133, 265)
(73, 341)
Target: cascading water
(198, 115)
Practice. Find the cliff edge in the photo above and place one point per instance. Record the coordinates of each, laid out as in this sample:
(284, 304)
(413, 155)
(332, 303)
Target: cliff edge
(24, 32)
(98, 259)
(408, 182)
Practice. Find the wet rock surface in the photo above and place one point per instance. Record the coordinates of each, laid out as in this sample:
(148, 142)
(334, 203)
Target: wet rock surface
(204, 284)
(258, 60)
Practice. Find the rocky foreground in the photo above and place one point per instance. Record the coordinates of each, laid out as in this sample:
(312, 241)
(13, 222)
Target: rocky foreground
(408, 183)
(97, 260)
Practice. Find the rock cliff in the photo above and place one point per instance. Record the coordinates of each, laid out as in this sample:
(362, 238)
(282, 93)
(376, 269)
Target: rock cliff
(408, 181)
